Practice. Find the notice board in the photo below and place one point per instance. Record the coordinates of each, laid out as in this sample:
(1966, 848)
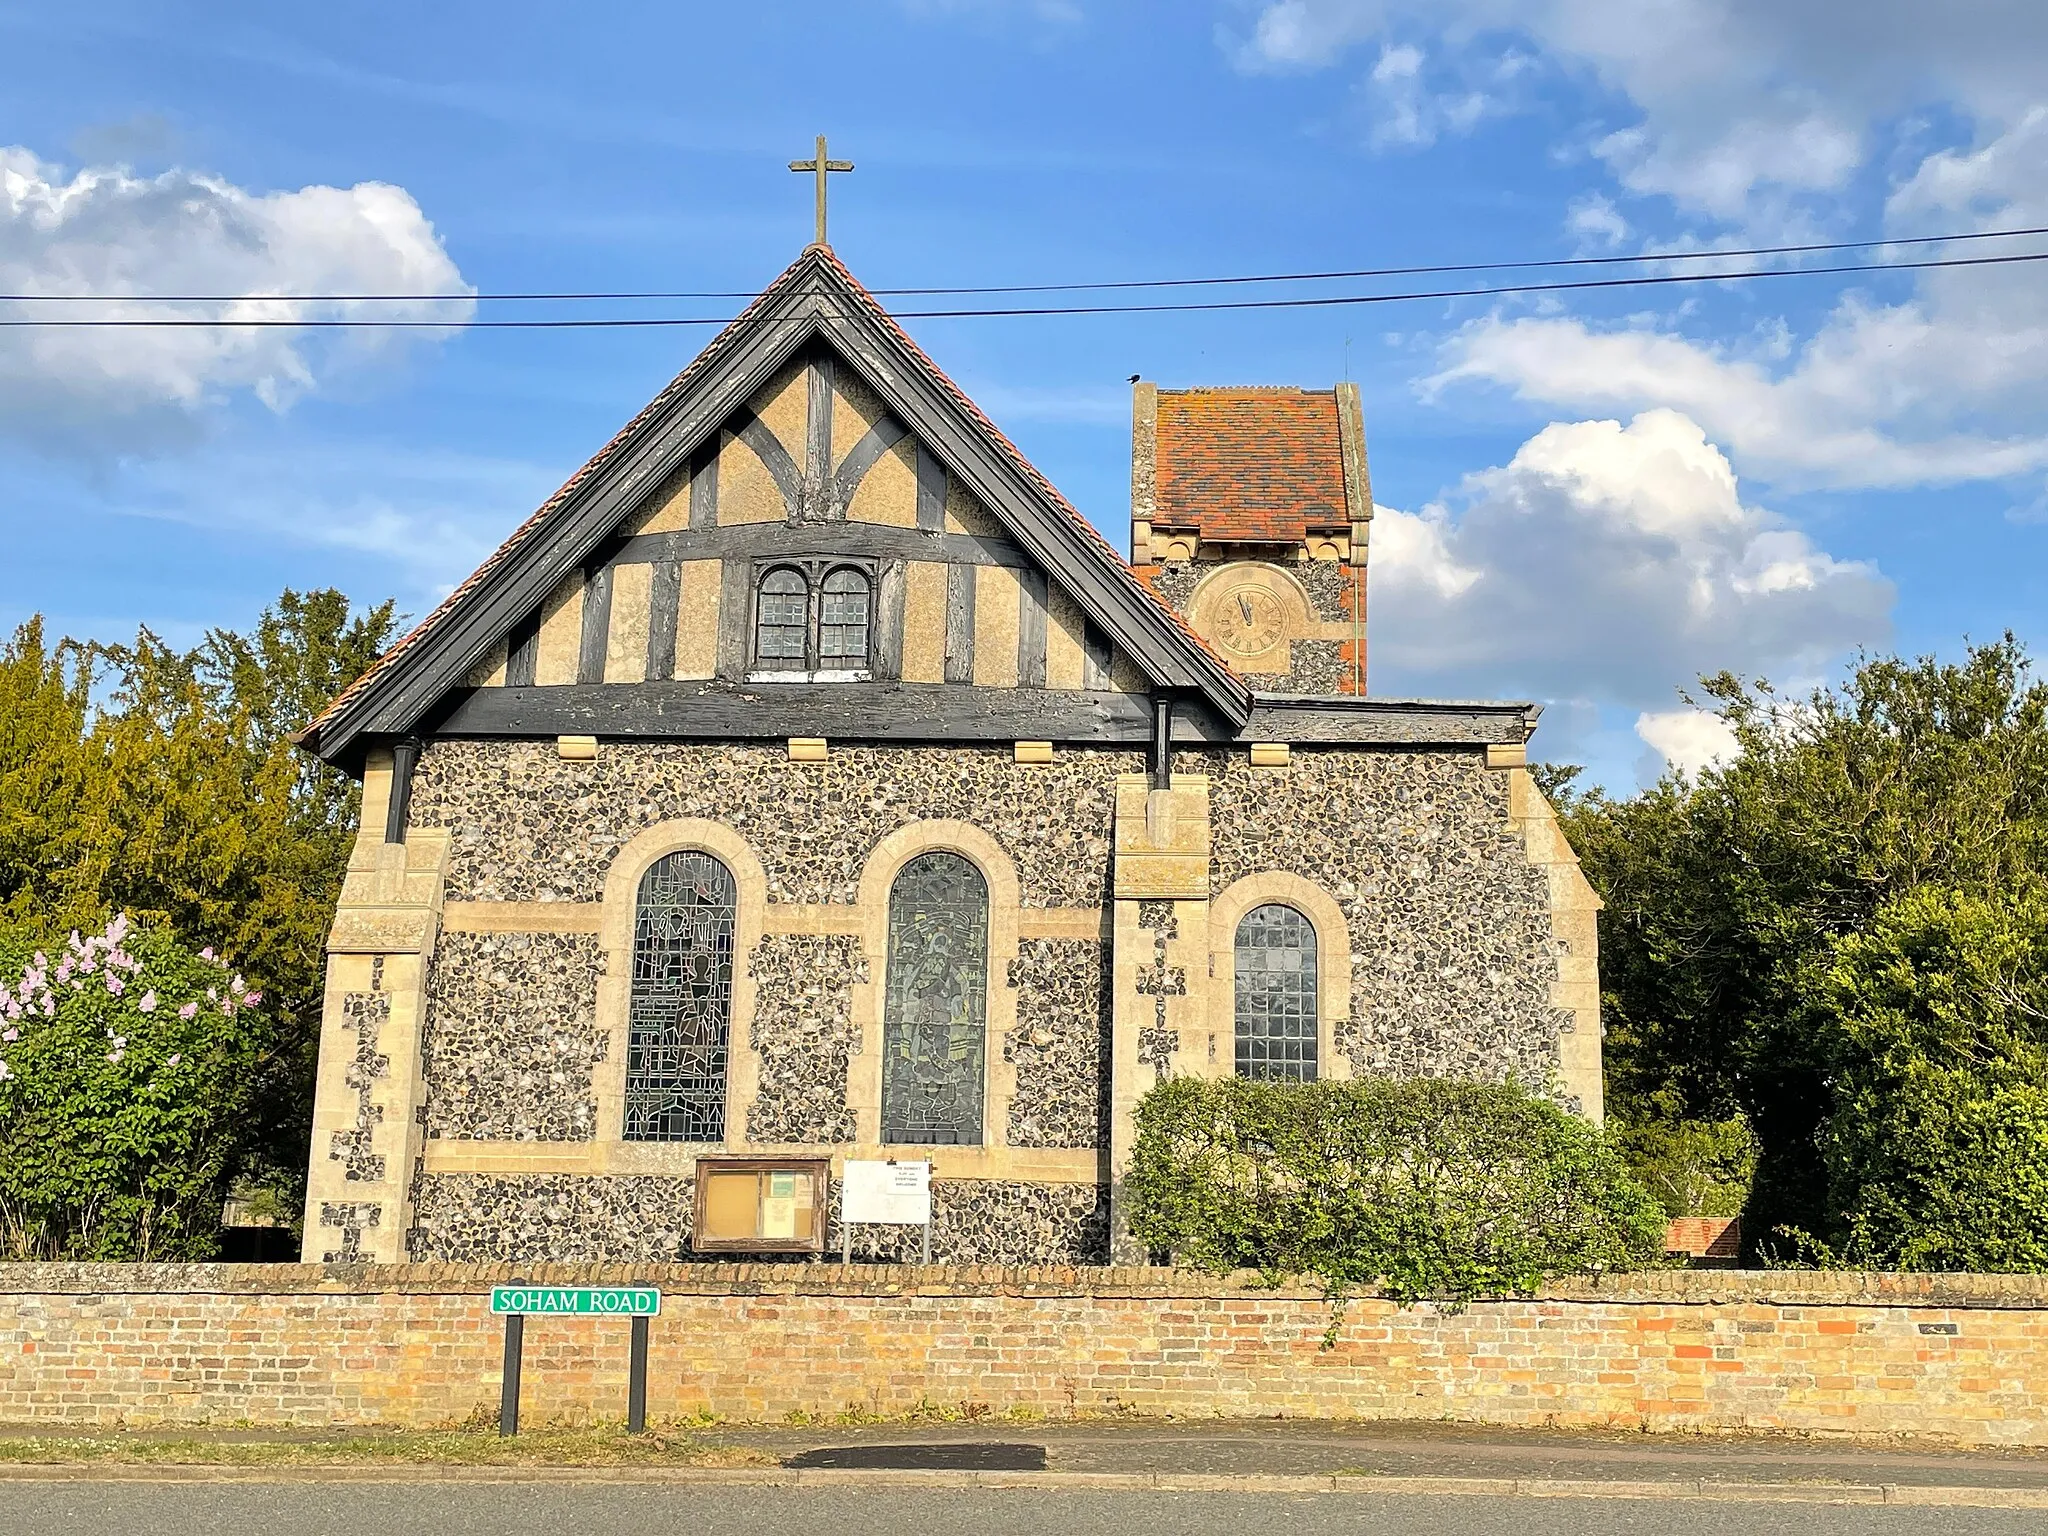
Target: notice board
(760, 1205)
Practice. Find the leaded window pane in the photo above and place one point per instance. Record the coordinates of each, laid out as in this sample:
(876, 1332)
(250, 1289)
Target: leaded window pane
(1276, 995)
(935, 1011)
(782, 617)
(681, 1000)
(843, 621)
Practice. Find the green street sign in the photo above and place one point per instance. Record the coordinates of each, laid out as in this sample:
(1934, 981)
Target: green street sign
(575, 1300)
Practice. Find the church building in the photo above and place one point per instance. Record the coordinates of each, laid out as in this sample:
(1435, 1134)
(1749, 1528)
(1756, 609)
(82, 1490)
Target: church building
(807, 780)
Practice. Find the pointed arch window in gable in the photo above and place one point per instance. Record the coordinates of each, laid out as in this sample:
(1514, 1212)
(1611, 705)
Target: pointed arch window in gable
(1276, 995)
(935, 1007)
(681, 1008)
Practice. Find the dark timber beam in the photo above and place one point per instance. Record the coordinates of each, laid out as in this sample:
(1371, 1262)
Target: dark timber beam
(940, 712)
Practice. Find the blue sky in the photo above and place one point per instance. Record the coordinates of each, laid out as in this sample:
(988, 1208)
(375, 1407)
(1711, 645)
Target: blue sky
(1586, 498)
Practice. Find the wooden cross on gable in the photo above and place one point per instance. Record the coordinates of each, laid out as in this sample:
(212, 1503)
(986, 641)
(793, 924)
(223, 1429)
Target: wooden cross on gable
(821, 167)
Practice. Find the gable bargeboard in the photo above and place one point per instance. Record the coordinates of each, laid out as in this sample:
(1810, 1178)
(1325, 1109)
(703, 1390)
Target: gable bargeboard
(812, 426)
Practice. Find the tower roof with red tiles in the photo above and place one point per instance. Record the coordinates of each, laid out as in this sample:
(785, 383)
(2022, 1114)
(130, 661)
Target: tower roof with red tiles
(1260, 465)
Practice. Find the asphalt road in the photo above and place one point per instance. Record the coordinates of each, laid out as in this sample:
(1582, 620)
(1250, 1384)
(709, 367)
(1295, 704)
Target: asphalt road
(540, 1509)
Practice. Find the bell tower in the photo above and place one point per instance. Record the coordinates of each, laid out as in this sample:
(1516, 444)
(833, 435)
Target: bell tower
(1250, 515)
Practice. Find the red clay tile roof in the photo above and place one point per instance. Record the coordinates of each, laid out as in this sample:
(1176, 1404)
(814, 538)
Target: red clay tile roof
(1249, 465)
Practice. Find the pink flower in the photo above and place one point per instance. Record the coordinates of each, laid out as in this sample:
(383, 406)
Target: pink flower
(173, 1059)
(5, 1072)
(212, 995)
(10, 1035)
(146, 1003)
(188, 1010)
(115, 1057)
(252, 999)
(115, 985)
(206, 953)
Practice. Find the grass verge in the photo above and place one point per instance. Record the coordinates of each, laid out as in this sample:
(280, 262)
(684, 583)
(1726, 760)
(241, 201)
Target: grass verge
(542, 1445)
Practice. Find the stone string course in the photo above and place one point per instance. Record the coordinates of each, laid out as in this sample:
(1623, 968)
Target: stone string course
(577, 1218)
(1954, 1357)
(1452, 953)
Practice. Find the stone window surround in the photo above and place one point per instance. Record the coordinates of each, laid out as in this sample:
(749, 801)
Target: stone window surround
(615, 985)
(1333, 962)
(868, 919)
(877, 879)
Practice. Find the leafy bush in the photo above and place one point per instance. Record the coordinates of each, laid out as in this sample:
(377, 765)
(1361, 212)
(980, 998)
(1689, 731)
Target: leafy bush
(128, 1066)
(1728, 893)
(1691, 1167)
(1426, 1189)
(1936, 1147)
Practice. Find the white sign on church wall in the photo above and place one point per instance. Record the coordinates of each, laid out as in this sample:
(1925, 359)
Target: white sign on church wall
(899, 1193)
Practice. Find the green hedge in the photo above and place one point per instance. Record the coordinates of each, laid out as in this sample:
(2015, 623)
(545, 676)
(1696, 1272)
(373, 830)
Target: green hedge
(1427, 1190)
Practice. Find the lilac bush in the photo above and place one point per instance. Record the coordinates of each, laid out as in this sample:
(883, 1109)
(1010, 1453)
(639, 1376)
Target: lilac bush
(128, 1070)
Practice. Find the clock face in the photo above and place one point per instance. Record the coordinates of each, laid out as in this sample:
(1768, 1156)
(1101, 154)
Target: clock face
(1247, 620)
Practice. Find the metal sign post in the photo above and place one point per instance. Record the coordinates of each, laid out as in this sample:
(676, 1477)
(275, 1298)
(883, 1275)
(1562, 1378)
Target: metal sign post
(887, 1194)
(508, 1394)
(515, 1303)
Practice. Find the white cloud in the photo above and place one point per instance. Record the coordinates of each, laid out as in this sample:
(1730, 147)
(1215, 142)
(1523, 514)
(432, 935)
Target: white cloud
(1739, 106)
(1612, 564)
(1687, 739)
(1943, 388)
(102, 230)
(1594, 219)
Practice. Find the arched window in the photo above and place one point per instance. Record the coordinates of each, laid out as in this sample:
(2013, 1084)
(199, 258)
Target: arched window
(681, 1005)
(1276, 995)
(782, 620)
(843, 621)
(935, 1011)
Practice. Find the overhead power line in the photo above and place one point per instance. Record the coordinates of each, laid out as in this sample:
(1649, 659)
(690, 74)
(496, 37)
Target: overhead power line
(625, 295)
(628, 322)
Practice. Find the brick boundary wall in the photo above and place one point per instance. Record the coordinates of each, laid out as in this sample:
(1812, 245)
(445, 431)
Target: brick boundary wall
(1958, 1357)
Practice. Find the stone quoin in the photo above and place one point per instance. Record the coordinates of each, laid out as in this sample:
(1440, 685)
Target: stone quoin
(808, 778)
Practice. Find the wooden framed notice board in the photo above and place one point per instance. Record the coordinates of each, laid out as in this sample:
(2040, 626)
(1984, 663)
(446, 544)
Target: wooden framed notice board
(761, 1204)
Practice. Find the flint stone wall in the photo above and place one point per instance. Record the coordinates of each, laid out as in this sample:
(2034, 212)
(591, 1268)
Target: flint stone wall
(524, 825)
(1452, 952)
(1955, 1357)
(625, 1218)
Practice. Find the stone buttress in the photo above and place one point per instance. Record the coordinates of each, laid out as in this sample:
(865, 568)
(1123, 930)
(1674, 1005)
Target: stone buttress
(371, 1093)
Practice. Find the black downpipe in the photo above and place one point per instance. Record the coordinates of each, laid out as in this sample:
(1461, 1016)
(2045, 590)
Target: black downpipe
(404, 755)
(1162, 742)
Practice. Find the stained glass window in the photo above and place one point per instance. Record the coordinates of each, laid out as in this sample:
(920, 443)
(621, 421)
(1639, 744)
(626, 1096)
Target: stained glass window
(1276, 995)
(782, 625)
(681, 1000)
(935, 1010)
(843, 621)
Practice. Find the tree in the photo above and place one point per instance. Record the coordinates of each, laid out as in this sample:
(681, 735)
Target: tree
(1727, 895)
(1935, 1145)
(179, 797)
